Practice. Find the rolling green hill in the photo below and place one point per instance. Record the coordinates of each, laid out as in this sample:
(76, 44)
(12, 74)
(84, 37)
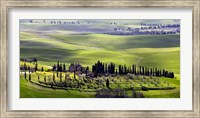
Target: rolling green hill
(162, 51)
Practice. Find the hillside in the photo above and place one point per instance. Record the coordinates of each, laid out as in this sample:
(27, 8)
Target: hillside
(162, 51)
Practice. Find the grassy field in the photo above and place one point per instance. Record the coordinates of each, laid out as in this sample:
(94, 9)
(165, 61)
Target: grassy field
(30, 90)
(162, 51)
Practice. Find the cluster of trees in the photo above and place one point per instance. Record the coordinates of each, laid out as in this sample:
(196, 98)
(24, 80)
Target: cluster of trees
(141, 70)
(59, 67)
(65, 81)
(103, 68)
(25, 68)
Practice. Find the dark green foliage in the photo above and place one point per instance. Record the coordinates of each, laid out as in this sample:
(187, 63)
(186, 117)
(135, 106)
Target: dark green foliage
(29, 78)
(25, 74)
(74, 75)
(144, 88)
(25, 67)
(29, 69)
(57, 69)
(36, 67)
(54, 77)
(107, 83)
(42, 69)
(60, 76)
(54, 68)
(64, 67)
(86, 70)
(60, 68)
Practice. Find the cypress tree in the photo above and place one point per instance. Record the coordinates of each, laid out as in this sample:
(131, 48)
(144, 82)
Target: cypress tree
(116, 71)
(125, 69)
(64, 67)
(142, 70)
(160, 73)
(113, 68)
(163, 74)
(60, 68)
(45, 78)
(119, 69)
(130, 69)
(60, 76)
(156, 72)
(103, 70)
(36, 67)
(145, 70)
(107, 83)
(87, 69)
(106, 68)
(25, 67)
(57, 73)
(135, 69)
(29, 78)
(29, 69)
(172, 75)
(122, 69)
(53, 67)
(153, 71)
(66, 80)
(25, 74)
(54, 77)
(74, 75)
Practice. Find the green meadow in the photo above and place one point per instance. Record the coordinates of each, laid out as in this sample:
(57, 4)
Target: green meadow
(161, 51)
(155, 51)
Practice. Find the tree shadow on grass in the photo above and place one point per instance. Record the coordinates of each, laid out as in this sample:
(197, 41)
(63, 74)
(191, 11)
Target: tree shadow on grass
(54, 88)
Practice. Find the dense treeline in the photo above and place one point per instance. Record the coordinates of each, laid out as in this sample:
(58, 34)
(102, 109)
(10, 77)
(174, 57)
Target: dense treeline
(101, 68)
(104, 68)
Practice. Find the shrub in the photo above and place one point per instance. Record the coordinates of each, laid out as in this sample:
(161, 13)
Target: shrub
(144, 88)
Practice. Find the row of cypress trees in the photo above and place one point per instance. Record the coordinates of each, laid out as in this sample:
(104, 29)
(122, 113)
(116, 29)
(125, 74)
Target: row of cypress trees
(103, 68)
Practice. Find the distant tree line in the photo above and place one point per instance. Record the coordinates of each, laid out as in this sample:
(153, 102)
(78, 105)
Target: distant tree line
(29, 60)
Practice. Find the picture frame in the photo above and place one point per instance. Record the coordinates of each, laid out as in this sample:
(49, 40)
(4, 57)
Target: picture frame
(5, 5)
